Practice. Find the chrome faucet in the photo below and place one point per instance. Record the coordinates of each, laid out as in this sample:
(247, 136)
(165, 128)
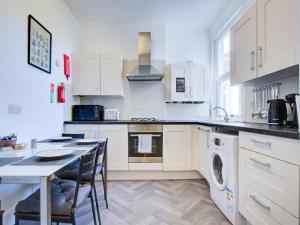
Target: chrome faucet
(226, 118)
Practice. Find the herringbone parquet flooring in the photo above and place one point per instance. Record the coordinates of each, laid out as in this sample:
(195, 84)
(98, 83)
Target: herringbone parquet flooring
(169, 202)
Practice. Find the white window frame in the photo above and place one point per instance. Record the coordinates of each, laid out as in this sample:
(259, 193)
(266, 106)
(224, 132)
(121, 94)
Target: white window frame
(217, 78)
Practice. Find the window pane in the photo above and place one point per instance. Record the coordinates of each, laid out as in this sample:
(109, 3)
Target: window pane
(225, 95)
(235, 100)
(224, 55)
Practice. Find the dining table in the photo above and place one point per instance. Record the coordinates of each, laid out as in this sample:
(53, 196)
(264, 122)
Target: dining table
(22, 166)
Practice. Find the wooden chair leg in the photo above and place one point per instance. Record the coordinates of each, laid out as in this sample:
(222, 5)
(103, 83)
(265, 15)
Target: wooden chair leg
(93, 208)
(97, 204)
(105, 189)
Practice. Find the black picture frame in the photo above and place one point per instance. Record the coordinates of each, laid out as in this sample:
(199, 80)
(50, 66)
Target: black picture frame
(39, 45)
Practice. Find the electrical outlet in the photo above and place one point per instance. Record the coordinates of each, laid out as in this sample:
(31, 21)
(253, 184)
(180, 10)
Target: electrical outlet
(15, 109)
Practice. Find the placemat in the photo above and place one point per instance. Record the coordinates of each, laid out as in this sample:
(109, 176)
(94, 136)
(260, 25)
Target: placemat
(9, 160)
(74, 145)
(36, 161)
(51, 141)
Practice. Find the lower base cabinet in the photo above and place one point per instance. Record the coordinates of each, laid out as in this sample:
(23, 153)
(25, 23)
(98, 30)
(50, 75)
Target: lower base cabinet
(269, 179)
(203, 139)
(117, 149)
(177, 150)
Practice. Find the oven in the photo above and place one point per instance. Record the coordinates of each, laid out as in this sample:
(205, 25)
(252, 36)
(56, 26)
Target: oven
(153, 135)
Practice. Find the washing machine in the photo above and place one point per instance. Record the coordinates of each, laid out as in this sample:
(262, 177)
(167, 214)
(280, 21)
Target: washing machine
(223, 163)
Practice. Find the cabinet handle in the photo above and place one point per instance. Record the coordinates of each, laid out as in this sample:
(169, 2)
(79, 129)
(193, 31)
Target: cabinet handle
(261, 204)
(268, 143)
(260, 49)
(252, 60)
(265, 164)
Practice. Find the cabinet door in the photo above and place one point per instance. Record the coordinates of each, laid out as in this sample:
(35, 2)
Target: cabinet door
(177, 148)
(111, 75)
(195, 148)
(196, 83)
(243, 48)
(203, 133)
(89, 131)
(180, 82)
(277, 35)
(86, 74)
(117, 148)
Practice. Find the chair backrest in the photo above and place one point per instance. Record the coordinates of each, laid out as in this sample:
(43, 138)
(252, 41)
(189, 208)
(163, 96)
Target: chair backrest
(103, 150)
(86, 168)
(79, 136)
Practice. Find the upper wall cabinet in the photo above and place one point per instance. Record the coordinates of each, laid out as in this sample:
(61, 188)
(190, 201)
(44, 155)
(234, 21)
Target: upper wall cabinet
(243, 48)
(277, 35)
(187, 82)
(95, 74)
(111, 75)
(264, 40)
(86, 74)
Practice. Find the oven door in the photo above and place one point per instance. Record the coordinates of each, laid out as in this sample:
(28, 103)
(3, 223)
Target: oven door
(155, 156)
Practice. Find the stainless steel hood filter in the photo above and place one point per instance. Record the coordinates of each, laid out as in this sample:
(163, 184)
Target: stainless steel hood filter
(145, 71)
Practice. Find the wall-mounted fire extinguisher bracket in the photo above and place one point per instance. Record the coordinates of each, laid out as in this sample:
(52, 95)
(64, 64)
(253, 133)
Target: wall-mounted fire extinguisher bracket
(61, 93)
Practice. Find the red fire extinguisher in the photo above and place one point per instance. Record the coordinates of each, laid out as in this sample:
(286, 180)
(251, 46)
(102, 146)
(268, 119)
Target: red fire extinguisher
(61, 93)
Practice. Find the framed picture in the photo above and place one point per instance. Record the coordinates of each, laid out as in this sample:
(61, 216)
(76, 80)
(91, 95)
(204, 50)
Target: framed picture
(39, 45)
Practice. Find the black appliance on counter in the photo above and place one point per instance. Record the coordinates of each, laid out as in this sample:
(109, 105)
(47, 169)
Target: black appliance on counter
(277, 114)
(292, 119)
(88, 113)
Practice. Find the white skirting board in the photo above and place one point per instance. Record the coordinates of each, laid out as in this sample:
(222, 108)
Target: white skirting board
(153, 175)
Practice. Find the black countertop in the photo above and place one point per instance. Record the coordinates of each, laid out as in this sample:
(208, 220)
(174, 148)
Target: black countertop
(232, 126)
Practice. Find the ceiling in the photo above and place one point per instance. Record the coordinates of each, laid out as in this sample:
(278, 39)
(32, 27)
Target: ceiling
(200, 12)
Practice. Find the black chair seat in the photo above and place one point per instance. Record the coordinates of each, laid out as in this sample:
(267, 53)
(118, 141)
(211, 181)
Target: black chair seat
(72, 173)
(62, 197)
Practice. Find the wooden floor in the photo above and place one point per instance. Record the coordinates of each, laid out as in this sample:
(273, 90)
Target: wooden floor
(172, 202)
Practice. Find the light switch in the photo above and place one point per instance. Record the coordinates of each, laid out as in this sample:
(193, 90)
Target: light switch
(15, 109)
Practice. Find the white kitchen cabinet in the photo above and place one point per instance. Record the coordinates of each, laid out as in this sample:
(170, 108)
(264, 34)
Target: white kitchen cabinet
(117, 149)
(111, 74)
(203, 137)
(196, 82)
(180, 76)
(195, 148)
(86, 74)
(96, 74)
(269, 179)
(277, 35)
(243, 48)
(187, 82)
(89, 131)
(264, 40)
(177, 150)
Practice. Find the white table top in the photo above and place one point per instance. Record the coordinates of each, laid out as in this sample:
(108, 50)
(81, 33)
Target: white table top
(41, 170)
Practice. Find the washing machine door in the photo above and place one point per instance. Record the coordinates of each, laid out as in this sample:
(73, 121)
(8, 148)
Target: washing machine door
(218, 170)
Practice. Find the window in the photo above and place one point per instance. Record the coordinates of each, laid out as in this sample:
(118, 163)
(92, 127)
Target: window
(226, 96)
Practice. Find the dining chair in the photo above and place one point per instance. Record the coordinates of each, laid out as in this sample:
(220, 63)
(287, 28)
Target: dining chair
(101, 168)
(66, 195)
(79, 136)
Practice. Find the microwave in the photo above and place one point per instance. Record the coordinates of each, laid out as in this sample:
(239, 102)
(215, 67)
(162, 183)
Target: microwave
(88, 113)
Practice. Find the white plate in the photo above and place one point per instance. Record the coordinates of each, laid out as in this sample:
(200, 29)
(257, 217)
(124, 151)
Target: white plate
(54, 153)
(61, 138)
(86, 141)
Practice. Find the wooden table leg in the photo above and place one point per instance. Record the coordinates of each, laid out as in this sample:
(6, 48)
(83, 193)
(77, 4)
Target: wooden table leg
(45, 199)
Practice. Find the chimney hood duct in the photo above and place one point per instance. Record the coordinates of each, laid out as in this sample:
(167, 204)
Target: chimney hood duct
(145, 71)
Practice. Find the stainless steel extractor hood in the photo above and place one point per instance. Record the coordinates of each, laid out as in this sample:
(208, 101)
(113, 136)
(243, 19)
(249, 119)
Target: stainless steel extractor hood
(145, 71)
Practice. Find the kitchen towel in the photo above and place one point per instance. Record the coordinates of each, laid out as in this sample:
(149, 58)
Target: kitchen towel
(145, 143)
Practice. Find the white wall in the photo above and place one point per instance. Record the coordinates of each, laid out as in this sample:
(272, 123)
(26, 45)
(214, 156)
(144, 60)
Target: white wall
(25, 85)
(171, 43)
